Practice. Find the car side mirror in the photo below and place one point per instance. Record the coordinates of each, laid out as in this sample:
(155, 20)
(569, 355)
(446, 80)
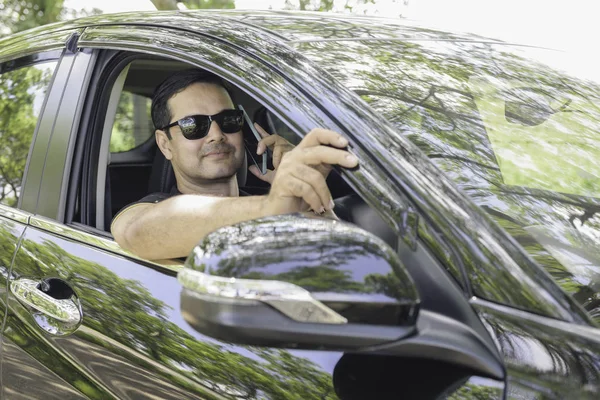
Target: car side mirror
(298, 281)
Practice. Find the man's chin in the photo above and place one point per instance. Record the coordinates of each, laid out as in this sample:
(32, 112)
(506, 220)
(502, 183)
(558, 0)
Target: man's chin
(218, 173)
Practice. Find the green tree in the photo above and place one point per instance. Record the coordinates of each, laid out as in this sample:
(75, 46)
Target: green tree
(332, 5)
(194, 4)
(18, 15)
(132, 125)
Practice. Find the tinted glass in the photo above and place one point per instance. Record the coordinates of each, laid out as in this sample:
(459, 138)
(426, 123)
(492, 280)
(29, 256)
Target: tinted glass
(22, 93)
(133, 123)
(515, 131)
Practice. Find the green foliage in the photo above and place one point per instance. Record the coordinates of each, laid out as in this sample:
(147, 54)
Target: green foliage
(18, 15)
(132, 125)
(207, 4)
(21, 94)
(470, 391)
(327, 5)
(194, 4)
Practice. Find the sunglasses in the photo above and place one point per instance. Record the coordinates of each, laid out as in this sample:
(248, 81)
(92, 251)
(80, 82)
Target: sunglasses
(197, 126)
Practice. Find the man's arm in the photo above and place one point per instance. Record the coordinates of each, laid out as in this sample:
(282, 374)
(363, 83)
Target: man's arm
(171, 228)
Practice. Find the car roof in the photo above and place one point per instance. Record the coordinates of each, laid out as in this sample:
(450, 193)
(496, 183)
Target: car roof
(287, 26)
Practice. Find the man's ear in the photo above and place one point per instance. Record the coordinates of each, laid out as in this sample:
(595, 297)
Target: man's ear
(164, 144)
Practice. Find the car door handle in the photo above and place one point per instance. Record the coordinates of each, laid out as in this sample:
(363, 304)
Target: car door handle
(52, 302)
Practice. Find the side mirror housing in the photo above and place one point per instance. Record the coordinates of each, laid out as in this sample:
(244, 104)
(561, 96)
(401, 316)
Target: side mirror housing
(298, 281)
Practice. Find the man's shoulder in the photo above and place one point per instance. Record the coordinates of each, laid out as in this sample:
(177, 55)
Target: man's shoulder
(152, 198)
(157, 197)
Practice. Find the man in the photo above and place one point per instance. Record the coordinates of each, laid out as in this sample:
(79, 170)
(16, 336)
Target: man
(205, 154)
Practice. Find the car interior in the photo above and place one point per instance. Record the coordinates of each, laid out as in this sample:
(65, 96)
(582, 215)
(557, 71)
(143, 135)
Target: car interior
(130, 166)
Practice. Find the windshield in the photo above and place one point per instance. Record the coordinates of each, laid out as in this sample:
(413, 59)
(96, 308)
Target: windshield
(517, 136)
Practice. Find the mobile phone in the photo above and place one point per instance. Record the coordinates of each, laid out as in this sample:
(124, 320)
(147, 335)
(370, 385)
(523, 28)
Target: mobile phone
(263, 162)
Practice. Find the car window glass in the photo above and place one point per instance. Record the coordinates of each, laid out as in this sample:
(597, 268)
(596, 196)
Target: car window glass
(518, 136)
(22, 93)
(278, 127)
(133, 122)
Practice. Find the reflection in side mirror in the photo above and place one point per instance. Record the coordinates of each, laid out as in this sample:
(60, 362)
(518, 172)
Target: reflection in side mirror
(298, 281)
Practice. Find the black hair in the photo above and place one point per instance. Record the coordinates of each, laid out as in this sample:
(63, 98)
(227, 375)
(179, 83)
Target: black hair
(175, 83)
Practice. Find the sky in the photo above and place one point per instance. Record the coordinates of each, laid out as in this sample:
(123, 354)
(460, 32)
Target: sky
(557, 24)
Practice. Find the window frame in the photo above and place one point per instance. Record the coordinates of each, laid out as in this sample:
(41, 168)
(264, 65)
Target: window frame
(93, 140)
(28, 183)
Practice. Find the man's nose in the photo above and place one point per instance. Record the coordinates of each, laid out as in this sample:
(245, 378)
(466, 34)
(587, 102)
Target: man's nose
(215, 134)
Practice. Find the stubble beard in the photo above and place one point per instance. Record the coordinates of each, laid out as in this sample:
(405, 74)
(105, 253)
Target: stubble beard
(216, 172)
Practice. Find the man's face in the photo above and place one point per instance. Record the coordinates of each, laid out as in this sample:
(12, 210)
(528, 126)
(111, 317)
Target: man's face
(217, 155)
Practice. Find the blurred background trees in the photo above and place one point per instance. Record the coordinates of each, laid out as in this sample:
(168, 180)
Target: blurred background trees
(18, 15)
(193, 4)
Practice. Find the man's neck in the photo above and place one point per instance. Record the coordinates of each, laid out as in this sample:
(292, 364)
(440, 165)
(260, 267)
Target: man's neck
(218, 187)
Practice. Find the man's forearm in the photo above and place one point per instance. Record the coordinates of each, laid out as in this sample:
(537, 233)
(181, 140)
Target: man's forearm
(173, 227)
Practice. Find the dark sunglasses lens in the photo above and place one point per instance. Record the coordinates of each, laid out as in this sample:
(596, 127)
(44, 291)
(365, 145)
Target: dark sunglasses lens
(231, 121)
(194, 127)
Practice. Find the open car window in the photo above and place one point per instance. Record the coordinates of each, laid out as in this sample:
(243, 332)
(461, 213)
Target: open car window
(127, 166)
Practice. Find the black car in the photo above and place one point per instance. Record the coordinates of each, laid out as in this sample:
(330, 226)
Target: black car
(465, 264)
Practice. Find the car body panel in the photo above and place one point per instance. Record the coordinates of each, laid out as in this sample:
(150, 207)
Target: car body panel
(284, 25)
(34, 42)
(59, 144)
(476, 388)
(299, 27)
(37, 155)
(134, 342)
(12, 226)
(19, 369)
(544, 358)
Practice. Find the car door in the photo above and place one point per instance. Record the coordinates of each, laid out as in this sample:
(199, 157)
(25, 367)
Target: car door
(111, 325)
(132, 341)
(30, 86)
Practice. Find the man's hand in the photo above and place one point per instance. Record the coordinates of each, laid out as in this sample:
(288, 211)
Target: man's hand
(278, 146)
(300, 180)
